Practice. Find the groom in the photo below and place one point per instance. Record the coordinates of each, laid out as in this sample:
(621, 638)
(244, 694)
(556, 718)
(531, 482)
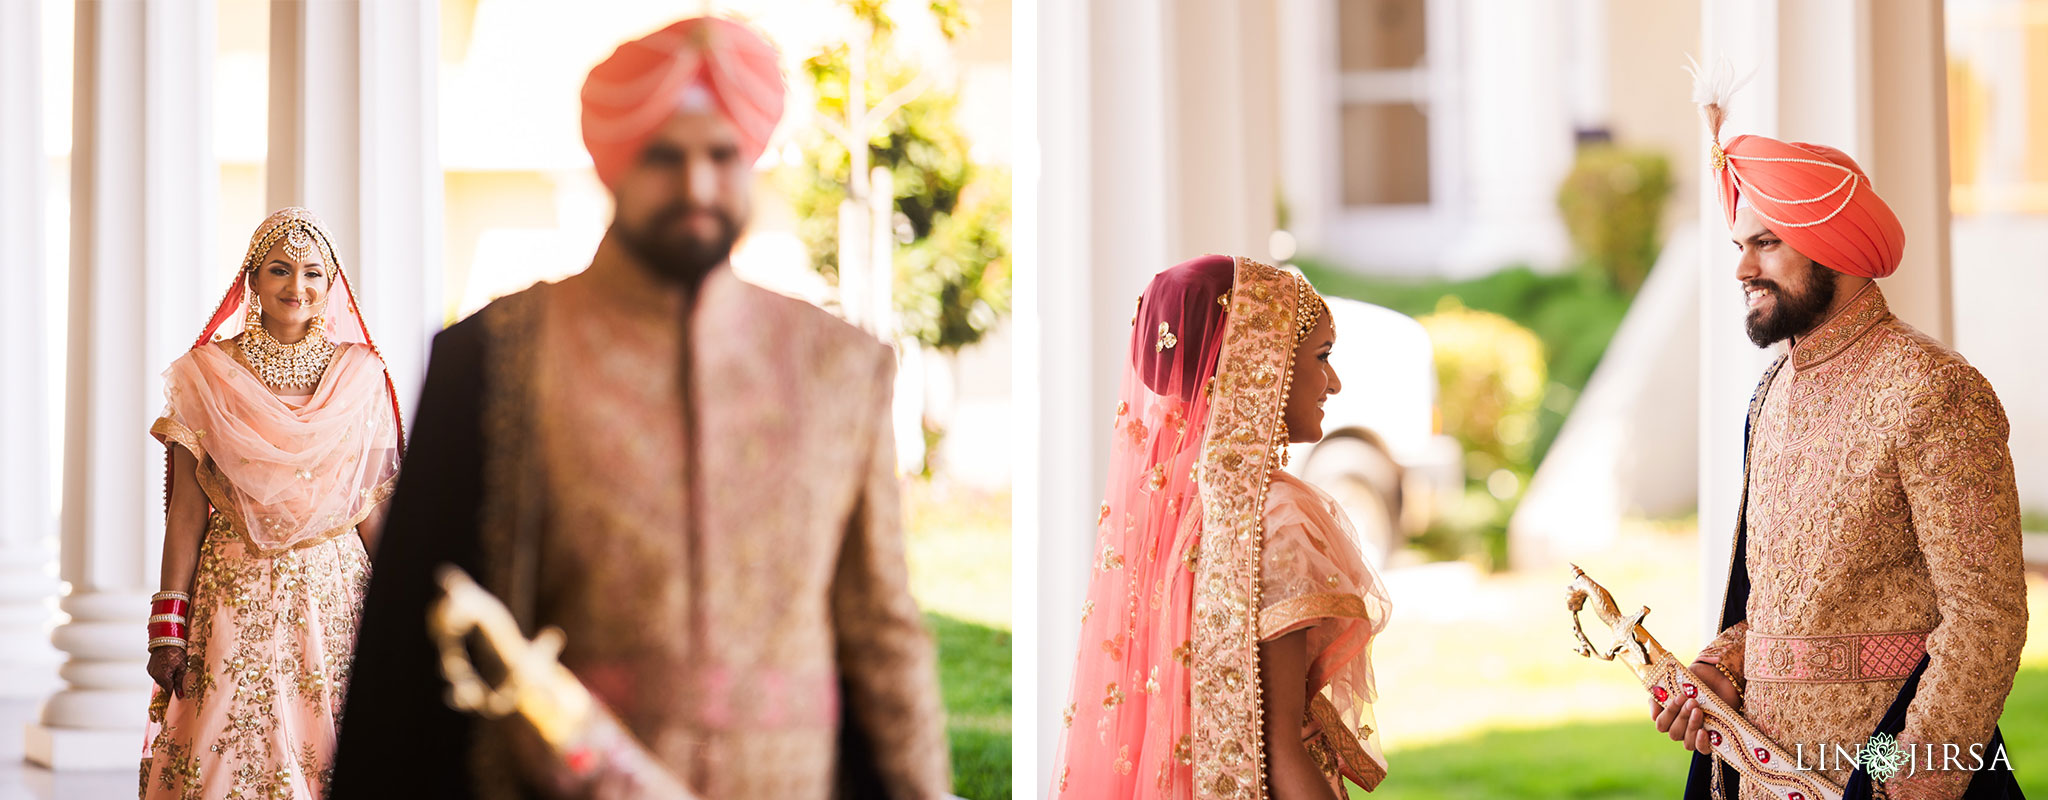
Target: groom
(689, 476)
(1876, 578)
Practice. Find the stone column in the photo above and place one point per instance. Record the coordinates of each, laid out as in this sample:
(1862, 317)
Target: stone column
(354, 138)
(1517, 136)
(1815, 80)
(143, 186)
(1151, 134)
(28, 664)
(1092, 225)
(1223, 115)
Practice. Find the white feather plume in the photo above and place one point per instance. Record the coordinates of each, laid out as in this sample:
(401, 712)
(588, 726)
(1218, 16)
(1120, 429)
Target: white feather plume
(1713, 89)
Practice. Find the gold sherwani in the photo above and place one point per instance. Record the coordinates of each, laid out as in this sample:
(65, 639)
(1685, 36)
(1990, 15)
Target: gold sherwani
(1882, 523)
(751, 625)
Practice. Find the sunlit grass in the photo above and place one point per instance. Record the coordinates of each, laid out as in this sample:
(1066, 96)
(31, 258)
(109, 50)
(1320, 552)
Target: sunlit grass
(1481, 696)
(1625, 758)
(974, 675)
(958, 546)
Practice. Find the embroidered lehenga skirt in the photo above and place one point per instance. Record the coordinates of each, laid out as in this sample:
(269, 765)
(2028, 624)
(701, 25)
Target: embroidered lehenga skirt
(266, 671)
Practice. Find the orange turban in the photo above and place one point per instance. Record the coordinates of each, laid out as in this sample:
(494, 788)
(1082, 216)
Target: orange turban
(1816, 199)
(704, 60)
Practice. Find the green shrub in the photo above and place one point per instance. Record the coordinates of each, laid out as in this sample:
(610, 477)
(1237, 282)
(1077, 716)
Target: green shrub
(952, 269)
(1490, 379)
(1574, 315)
(954, 285)
(1613, 206)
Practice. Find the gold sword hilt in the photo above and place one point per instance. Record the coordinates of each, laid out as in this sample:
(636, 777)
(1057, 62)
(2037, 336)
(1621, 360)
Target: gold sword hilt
(535, 685)
(1629, 635)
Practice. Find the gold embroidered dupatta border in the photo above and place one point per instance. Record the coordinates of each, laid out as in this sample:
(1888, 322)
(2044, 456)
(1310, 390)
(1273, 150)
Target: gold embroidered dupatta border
(219, 492)
(1253, 376)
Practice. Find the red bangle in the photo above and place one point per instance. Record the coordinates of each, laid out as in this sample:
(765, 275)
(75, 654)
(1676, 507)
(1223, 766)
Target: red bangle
(157, 629)
(169, 605)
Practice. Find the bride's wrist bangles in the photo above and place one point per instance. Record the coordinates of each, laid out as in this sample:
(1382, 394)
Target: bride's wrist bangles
(167, 619)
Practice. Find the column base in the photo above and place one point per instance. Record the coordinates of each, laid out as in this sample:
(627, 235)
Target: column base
(82, 749)
(30, 679)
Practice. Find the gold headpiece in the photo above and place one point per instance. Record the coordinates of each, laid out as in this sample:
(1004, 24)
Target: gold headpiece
(302, 234)
(1309, 308)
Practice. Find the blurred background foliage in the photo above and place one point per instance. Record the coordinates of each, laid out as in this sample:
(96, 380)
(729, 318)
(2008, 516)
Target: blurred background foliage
(1613, 203)
(951, 221)
(1514, 348)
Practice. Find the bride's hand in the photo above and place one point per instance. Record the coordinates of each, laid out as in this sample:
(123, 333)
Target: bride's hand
(167, 668)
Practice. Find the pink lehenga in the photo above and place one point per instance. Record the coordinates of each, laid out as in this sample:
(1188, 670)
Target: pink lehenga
(1204, 549)
(281, 574)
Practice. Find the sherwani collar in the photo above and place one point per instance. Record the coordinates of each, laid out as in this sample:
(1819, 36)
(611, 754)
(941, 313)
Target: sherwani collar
(1834, 336)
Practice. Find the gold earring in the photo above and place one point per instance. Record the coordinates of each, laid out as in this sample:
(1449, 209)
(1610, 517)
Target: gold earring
(253, 316)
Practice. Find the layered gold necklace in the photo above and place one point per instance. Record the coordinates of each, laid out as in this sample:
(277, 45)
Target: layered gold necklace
(298, 365)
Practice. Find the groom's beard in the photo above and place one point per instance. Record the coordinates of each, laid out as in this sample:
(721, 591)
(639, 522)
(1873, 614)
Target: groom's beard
(1793, 311)
(680, 256)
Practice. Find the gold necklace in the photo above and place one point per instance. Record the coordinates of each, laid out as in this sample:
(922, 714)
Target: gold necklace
(298, 365)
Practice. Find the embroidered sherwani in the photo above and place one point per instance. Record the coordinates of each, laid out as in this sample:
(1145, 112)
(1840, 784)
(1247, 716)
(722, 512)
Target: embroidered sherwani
(1882, 523)
(749, 624)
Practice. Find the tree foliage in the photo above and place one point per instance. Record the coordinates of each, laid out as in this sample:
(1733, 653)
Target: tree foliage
(952, 262)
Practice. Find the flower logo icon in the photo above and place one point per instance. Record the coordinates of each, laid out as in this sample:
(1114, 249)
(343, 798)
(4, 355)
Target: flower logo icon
(1882, 757)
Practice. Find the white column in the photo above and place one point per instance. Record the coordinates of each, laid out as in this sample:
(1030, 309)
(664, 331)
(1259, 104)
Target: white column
(1909, 161)
(1092, 226)
(28, 664)
(1223, 108)
(1517, 128)
(1814, 81)
(1745, 33)
(1149, 136)
(143, 186)
(1307, 95)
(354, 137)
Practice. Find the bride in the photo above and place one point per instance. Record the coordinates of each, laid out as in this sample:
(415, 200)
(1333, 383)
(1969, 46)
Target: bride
(1225, 639)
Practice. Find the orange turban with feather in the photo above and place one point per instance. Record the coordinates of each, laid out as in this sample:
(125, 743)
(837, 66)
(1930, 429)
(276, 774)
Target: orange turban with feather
(1813, 196)
(699, 61)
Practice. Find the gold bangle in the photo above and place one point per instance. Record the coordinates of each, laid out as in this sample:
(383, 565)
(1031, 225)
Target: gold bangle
(178, 618)
(165, 641)
(171, 595)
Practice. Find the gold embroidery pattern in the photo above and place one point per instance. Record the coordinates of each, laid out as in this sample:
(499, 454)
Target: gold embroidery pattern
(1833, 659)
(216, 487)
(1251, 389)
(270, 638)
(1880, 497)
(753, 628)
(1281, 617)
(1346, 752)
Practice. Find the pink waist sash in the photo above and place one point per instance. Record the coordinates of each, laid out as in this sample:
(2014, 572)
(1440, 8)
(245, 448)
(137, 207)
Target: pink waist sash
(1847, 658)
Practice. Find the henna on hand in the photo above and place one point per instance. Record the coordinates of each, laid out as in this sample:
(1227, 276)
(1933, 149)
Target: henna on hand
(167, 668)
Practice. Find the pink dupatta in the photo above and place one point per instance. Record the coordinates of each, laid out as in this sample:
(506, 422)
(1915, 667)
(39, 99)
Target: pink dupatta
(1166, 700)
(287, 476)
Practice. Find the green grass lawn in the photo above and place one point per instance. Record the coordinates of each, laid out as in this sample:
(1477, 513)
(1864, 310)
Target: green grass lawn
(1626, 758)
(958, 546)
(974, 675)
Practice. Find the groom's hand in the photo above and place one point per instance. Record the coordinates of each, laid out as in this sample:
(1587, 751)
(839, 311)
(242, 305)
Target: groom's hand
(1681, 717)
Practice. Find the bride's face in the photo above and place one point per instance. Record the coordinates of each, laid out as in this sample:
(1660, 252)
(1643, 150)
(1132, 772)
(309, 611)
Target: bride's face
(1314, 381)
(291, 290)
